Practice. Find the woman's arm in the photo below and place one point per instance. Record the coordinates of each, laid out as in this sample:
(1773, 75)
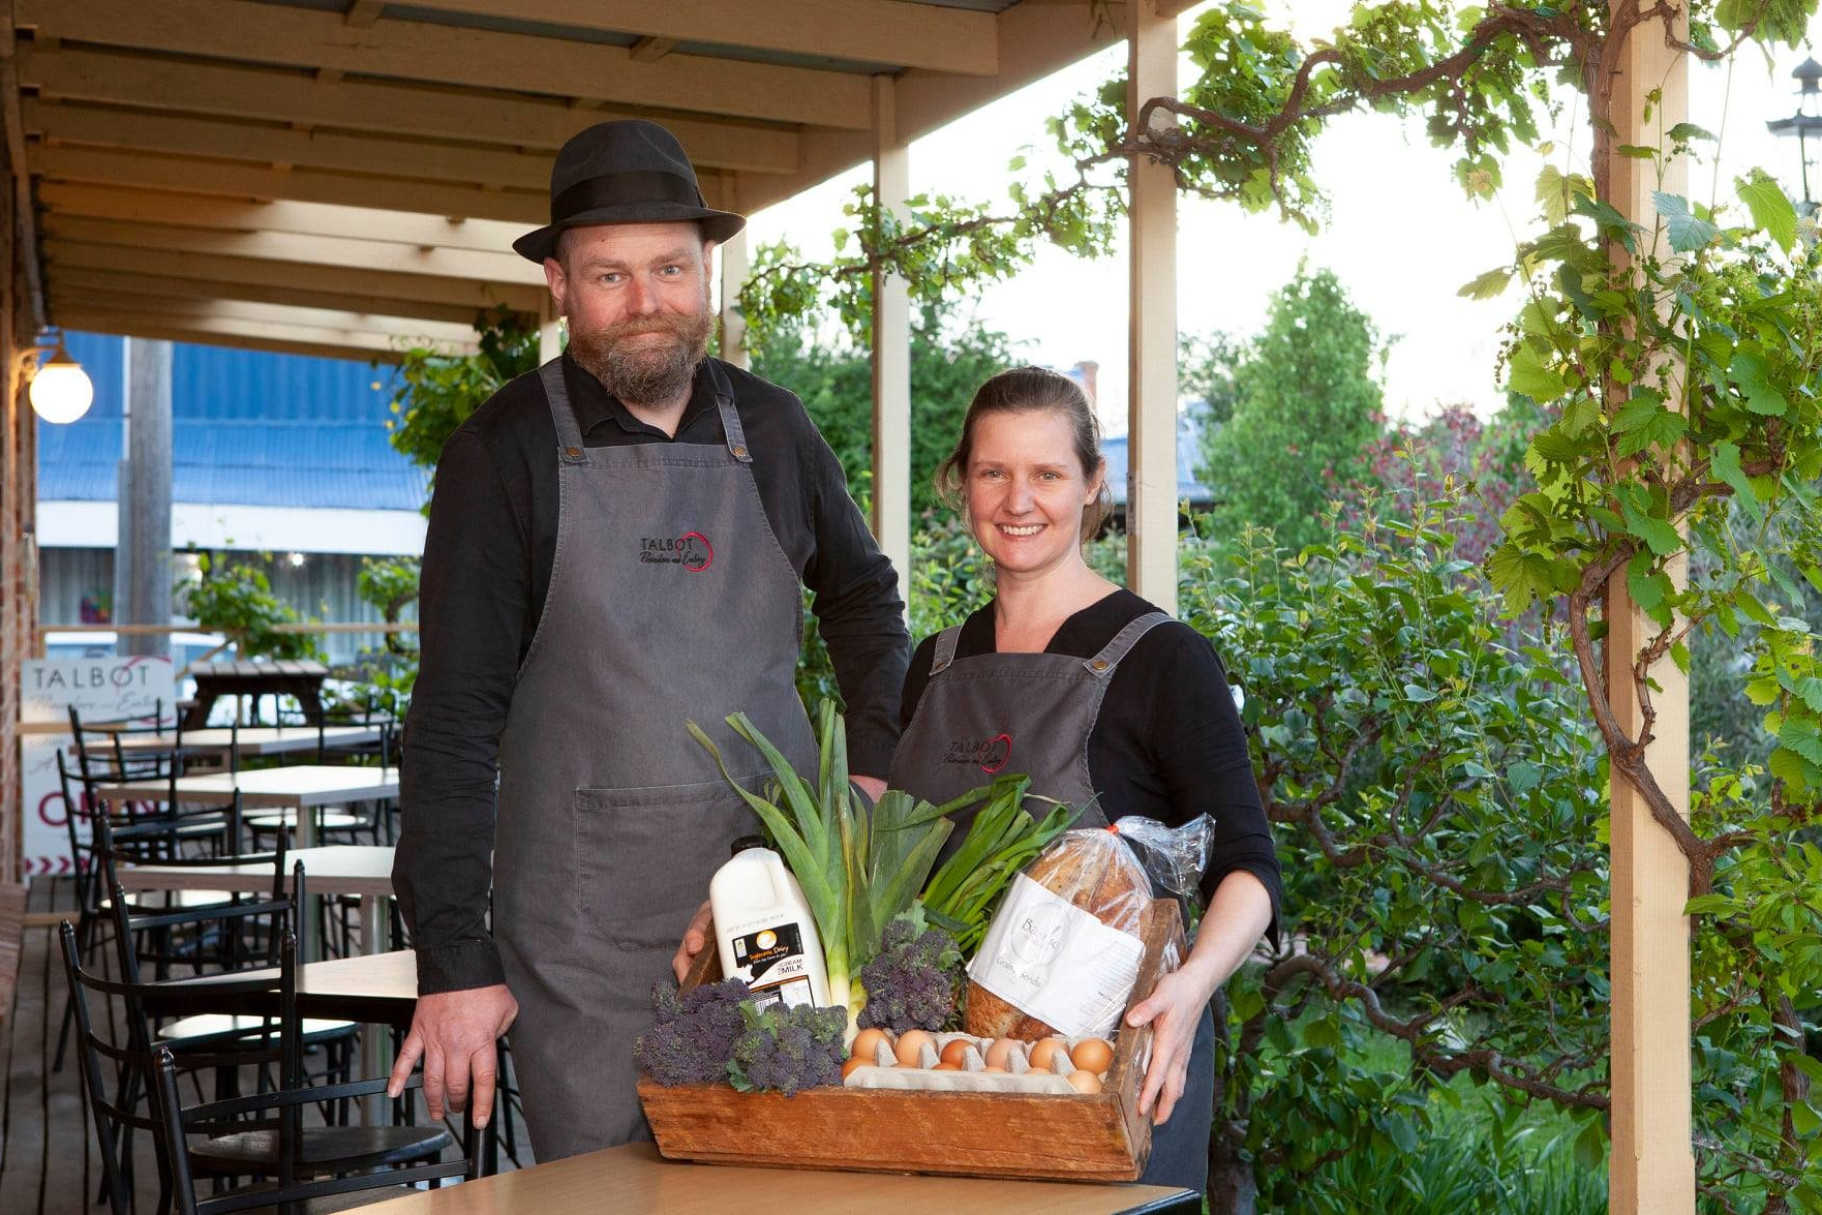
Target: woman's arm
(1237, 917)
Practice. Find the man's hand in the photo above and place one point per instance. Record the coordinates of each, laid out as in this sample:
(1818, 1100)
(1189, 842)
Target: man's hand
(872, 786)
(695, 939)
(454, 1033)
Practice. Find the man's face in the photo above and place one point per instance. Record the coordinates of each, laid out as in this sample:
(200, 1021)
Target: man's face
(637, 299)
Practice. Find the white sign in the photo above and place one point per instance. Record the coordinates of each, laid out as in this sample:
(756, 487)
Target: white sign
(100, 689)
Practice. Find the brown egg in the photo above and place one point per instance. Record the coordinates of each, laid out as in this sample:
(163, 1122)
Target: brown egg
(867, 1041)
(1092, 1054)
(998, 1052)
(910, 1043)
(1042, 1053)
(947, 1067)
(1084, 1082)
(847, 1069)
(956, 1051)
(991, 1068)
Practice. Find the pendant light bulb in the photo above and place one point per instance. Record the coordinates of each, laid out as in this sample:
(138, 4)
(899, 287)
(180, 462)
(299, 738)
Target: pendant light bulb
(61, 390)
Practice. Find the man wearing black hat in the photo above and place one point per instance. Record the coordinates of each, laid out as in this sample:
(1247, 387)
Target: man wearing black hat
(618, 543)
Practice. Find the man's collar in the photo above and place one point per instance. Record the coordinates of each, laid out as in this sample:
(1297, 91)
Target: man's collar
(594, 405)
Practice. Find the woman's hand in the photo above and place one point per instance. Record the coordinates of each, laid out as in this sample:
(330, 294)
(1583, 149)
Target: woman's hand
(1237, 917)
(1172, 1010)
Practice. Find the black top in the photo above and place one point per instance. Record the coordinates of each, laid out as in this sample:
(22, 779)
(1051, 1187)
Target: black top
(487, 563)
(1168, 743)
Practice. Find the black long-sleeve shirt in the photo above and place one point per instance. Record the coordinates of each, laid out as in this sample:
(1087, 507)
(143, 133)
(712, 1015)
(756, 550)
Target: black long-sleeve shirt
(487, 565)
(1167, 744)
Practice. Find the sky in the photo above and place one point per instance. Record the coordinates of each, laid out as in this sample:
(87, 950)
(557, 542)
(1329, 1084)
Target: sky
(1401, 235)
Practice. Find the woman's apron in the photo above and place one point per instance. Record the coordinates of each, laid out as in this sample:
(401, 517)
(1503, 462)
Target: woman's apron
(670, 600)
(1033, 713)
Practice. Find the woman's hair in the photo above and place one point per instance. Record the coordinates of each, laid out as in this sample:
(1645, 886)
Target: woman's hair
(1031, 390)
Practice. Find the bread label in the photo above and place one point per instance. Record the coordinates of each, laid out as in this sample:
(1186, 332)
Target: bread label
(1055, 962)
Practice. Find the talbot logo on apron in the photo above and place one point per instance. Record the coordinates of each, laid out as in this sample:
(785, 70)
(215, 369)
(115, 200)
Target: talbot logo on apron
(988, 754)
(691, 550)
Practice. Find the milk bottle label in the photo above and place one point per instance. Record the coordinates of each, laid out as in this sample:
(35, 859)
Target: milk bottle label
(772, 961)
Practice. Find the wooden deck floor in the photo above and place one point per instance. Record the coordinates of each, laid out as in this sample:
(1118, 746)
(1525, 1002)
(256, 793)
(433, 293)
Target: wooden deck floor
(48, 1159)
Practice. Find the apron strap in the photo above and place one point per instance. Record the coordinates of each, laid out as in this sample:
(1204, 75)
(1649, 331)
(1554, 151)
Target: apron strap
(730, 417)
(945, 649)
(1103, 664)
(569, 432)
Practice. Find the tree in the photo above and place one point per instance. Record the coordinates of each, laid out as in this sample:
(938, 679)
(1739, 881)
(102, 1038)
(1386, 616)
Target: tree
(1207, 366)
(835, 382)
(442, 391)
(1306, 406)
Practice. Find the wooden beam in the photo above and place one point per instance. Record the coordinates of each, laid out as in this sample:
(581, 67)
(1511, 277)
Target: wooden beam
(130, 131)
(135, 169)
(333, 343)
(362, 14)
(1652, 1168)
(651, 50)
(340, 280)
(25, 224)
(736, 265)
(1151, 495)
(187, 310)
(283, 95)
(303, 218)
(886, 32)
(347, 252)
(891, 348)
(77, 280)
(414, 50)
(1034, 39)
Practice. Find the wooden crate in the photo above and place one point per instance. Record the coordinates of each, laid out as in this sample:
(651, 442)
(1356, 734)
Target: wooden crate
(1068, 1138)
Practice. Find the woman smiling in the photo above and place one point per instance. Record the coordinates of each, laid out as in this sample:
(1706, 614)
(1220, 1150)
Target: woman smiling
(1104, 700)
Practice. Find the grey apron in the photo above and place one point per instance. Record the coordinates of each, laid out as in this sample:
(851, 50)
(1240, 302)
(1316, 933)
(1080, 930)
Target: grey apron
(1033, 713)
(670, 600)
(994, 713)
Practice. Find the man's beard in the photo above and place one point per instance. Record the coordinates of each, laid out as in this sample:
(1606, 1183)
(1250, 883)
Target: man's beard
(645, 372)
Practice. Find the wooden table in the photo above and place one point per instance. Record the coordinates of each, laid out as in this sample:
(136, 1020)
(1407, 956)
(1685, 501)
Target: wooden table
(254, 740)
(634, 1178)
(302, 680)
(299, 787)
(373, 989)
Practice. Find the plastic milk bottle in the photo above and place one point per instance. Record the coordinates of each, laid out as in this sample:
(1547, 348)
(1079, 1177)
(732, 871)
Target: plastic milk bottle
(764, 928)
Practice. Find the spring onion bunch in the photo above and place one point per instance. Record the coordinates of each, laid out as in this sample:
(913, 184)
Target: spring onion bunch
(1002, 839)
(859, 865)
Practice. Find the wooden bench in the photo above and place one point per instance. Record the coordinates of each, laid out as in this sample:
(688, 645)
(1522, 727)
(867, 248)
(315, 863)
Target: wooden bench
(302, 680)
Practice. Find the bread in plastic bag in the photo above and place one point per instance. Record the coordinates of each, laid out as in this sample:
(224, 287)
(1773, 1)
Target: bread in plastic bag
(1064, 947)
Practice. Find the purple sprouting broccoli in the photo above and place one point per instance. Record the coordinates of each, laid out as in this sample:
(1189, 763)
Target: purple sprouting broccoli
(695, 1034)
(911, 982)
(787, 1050)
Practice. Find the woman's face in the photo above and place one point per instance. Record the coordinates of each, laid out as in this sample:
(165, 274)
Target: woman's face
(1026, 489)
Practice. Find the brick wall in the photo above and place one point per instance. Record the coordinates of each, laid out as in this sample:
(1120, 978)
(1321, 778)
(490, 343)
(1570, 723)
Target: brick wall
(18, 498)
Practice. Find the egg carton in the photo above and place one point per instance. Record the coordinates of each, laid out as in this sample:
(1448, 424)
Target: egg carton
(924, 1080)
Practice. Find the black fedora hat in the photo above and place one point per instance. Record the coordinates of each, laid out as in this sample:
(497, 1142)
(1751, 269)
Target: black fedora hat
(626, 172)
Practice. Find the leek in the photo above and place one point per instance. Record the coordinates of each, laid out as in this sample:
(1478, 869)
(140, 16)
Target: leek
(858, 865)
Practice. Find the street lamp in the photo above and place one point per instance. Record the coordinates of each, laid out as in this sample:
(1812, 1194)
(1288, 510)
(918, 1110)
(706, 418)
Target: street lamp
(1805, 123)
(61, 390)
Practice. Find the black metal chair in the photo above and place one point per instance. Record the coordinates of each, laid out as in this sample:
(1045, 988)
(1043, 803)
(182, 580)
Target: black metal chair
(231, 1148)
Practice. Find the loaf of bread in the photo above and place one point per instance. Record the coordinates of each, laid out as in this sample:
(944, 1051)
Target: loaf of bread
(1093, 869)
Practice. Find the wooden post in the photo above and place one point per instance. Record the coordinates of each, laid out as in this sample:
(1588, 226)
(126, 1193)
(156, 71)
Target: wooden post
(1151, 493)
(891, 348)
(734, 268)
(550, 330)
(1652, 1167)
(142, 575)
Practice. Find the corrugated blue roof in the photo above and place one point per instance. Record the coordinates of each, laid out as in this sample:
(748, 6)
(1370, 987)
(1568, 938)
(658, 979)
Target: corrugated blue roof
(248, 428)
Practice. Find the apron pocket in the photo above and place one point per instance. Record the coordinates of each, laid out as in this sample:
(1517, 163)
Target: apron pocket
(644, 857)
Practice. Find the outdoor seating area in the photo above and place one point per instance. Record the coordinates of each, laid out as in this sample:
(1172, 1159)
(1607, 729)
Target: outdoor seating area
(984, 605)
